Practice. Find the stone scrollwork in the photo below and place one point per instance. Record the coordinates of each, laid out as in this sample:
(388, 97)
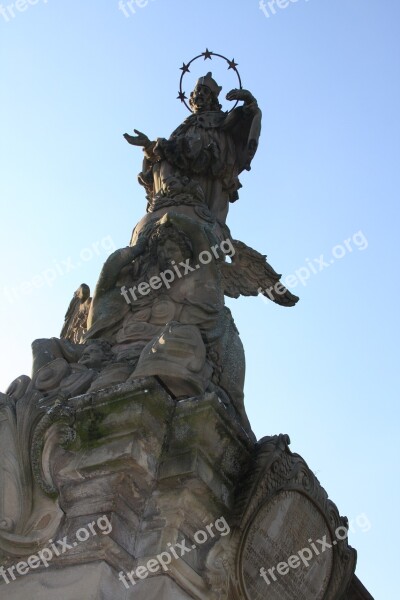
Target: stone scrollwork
(55, 429)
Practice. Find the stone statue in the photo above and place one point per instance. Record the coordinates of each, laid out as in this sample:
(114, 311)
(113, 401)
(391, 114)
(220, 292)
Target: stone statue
(137, 410)
(210, 146)
(158, 307)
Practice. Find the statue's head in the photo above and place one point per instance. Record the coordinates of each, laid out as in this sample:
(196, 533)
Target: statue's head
(205, 95)
(96, 354)
(171, 245)
(173, 185)
(83, 292)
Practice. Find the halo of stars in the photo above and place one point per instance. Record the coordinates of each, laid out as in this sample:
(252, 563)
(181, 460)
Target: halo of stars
(207, 55)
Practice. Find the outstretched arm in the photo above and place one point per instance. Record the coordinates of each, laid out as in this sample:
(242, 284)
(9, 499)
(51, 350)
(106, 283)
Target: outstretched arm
(140, 139)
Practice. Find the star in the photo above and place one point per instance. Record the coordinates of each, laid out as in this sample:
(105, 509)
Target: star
(182, 96)
(185, 68)
(232, 64)
(207, 54)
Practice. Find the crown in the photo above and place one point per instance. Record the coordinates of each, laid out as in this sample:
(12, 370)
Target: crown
(209, 82)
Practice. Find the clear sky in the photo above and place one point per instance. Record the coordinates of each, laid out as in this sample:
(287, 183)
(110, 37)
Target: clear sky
(321, 201)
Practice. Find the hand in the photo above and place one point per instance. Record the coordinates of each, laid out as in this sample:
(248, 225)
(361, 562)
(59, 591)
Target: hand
(214, 149)
(244, 95)
(139, 140)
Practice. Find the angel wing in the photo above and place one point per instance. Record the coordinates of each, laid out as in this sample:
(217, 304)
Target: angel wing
(249, 274)
(75, 321)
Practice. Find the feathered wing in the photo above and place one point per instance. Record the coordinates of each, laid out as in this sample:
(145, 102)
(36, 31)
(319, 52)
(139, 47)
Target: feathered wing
(75, 322)
(249, 274)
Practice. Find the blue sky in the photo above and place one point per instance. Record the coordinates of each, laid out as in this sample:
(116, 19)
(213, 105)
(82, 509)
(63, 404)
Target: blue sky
(76, 75)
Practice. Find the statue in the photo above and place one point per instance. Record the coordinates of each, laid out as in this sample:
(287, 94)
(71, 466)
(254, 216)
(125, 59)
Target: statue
(158, 307)
(210, 146)
(137, 410)
(180, 330)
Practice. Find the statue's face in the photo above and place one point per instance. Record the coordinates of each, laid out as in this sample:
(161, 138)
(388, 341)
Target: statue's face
(201, 98)
(169, 251)
(92, 357)
(172, 185)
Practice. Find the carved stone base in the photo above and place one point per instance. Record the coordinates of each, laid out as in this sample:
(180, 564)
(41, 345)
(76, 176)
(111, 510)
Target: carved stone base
(182, 486)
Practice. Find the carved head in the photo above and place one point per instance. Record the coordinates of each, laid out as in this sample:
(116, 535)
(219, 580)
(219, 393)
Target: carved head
(169, 244)
(169, 252)
(96, 354)
(205, 95)
(173, 185)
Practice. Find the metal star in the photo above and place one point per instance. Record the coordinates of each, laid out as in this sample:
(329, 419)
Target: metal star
(232, 64)
(182, 96)
(185, 68)
(207, 54)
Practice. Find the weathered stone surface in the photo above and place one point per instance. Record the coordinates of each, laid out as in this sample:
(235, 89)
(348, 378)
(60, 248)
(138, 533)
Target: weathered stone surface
(280, 529)
(95, 581)
(161, 472)
(160, 469)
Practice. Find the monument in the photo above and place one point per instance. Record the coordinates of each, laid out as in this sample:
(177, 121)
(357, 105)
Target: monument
(128, 466)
